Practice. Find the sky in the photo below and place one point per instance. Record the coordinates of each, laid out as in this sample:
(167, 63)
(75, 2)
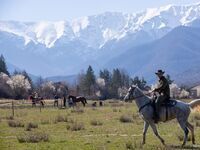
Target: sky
(56, 10)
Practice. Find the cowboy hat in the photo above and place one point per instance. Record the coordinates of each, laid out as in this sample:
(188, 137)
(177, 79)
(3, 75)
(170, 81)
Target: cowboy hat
(160, 72)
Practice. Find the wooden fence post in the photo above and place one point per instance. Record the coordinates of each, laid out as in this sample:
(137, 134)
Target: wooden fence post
(40, 107)
(13, 109)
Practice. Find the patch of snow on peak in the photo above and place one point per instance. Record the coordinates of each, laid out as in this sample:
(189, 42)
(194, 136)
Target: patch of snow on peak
(47, 32)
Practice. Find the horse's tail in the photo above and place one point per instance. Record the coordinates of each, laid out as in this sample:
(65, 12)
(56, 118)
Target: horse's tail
(194, 103)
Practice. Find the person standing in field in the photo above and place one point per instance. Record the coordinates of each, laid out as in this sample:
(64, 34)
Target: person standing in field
(56, 100)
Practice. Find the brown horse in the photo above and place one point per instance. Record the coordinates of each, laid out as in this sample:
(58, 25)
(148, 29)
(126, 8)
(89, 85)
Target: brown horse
(35, 101)
(78, 99)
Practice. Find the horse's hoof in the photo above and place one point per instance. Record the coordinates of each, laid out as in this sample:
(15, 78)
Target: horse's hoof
(163, 142)
(183, 145)
(143, 143)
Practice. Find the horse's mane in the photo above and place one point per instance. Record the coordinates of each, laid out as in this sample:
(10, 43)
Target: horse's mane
(71, 96)
(143, 94)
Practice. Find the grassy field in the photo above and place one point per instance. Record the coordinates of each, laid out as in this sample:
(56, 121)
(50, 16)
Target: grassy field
(115, 126)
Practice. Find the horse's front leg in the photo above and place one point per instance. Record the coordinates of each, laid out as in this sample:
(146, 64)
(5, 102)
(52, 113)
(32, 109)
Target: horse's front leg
(83, 103)
(146, 126)
(153, 126)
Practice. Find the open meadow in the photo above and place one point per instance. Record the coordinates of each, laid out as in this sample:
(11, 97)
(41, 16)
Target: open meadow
(114, 126)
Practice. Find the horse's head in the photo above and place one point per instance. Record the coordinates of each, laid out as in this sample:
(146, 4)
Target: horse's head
(130, 93)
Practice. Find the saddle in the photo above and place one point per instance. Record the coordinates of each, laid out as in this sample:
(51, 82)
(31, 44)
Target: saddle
(169, 103)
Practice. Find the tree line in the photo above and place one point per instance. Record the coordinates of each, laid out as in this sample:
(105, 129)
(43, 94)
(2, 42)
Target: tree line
(19, 85)
(106, 84)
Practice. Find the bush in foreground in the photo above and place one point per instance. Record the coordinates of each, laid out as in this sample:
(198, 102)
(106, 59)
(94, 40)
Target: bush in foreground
(33, 137)
(15, 123)
(60, 118)
(126, 118)
(96, 122)
(76, 126)
(31, 125)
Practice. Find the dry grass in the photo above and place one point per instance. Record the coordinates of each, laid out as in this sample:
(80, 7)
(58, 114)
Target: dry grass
(197, 109)
(180, 136)
(197, 123)
(77, 110)
(45, 122)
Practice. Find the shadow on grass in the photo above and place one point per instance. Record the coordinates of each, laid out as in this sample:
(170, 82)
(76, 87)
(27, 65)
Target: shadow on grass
(184, 147)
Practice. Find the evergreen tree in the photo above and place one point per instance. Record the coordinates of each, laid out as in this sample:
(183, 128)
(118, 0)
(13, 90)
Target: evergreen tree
(116, 83)
(3, 67)
(16, 72)
(106, 75)
(141, 83)
(89, 81)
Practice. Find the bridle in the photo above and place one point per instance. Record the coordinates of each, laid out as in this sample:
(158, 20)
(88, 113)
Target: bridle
(132, 90)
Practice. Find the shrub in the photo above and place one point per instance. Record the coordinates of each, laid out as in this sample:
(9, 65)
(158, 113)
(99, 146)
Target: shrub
(9, 117)
(96, 122)
(31, 125)
(75, 126)
(15, 124)
(33, 137)
(60, 118)
(129, 146)
(116, 110)
(126, 118)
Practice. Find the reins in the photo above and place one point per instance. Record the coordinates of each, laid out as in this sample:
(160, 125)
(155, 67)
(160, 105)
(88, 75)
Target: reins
(146, 103)
(143, 95)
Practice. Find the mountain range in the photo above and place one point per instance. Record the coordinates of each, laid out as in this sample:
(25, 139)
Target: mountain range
(165, 37)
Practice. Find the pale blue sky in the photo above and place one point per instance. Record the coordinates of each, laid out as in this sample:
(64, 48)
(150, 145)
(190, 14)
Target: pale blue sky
(54, 10)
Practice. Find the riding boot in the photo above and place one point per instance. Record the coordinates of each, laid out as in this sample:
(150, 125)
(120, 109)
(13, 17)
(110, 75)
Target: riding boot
(156, 117)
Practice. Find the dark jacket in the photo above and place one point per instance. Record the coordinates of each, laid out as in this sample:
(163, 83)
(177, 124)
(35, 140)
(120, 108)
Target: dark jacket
(163, 87)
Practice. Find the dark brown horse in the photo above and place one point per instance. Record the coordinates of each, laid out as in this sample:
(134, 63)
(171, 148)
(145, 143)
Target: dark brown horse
(77, 99)
(39, 100)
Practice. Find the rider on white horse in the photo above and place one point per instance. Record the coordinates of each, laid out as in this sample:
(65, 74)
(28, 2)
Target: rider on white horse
(164, 93)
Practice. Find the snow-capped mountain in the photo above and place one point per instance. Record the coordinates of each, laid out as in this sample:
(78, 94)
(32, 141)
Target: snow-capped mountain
(63, 47)
(96, 30)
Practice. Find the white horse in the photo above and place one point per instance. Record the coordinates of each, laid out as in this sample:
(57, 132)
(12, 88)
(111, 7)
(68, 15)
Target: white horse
(180, 111)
